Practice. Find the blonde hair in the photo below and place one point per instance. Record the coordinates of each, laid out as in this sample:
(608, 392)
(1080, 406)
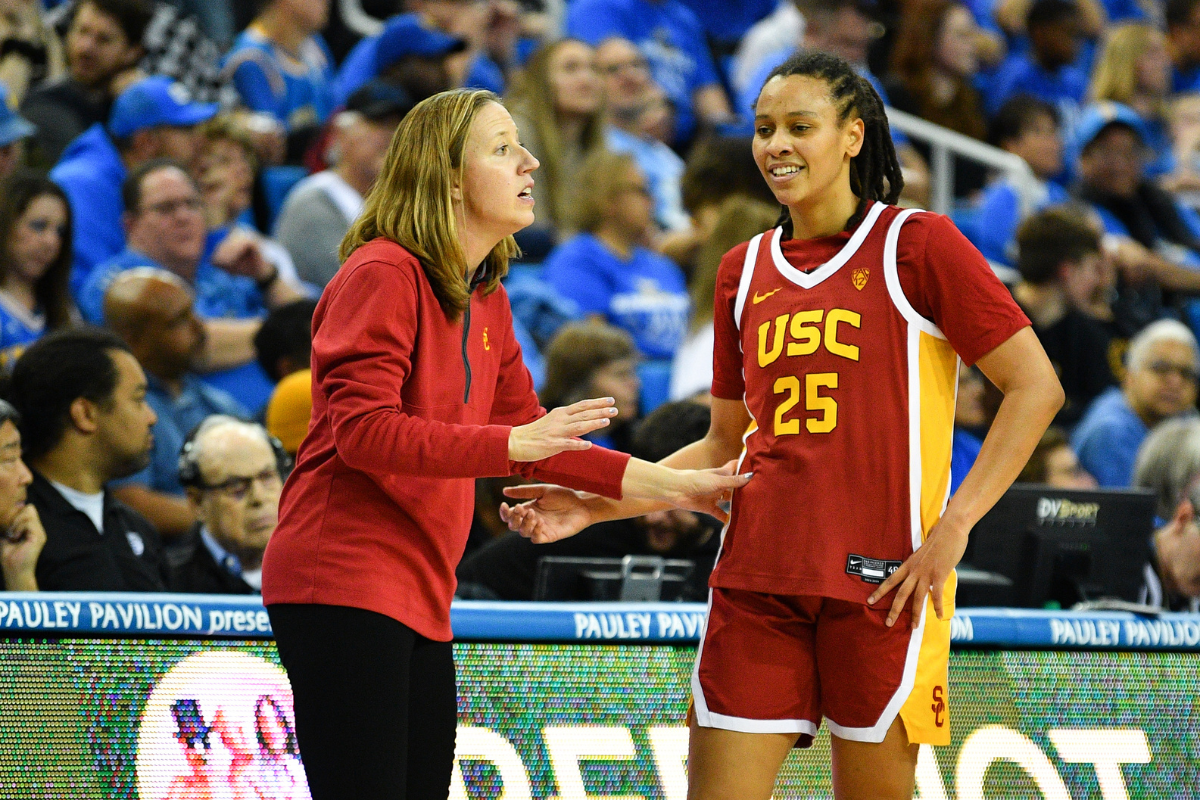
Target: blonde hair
(1115, 74)
(412, 203)
(600, 179)
(532, 96)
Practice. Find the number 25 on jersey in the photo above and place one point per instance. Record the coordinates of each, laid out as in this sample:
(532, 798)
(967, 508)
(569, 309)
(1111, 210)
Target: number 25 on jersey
(799, 335)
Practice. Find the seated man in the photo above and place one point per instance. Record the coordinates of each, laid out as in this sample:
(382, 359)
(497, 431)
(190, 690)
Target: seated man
(506, 567)
(84, 422)
(1169, 464)
(233, 472)
(234, 286)
(1160, 383)
(22, 536)
(1060, 266)
(151, 310)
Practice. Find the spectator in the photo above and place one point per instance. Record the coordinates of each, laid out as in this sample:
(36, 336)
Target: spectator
(489, 30)
(636, 107)
(153, 118)
(33, 54)
(1054, 463)
(233, 472)
(103, 47)
(1160, 383)
(1183, 43)
(934, 60)
(1060, 265)
(227, 172)
(280, 65)
(1155, 239)
(284, 346)
(15, 131)
(234, 286)
(1133, 68)
(556, 106)
(1184, 123)
(607, 269)
(84, 422)
(671, 38)
(22, 536)
(718, 167)
(739, 219)
(35, 262)
(1028, 127)
(151, 310)
(778, 32)
(1047, 71)
(407, 52)
(592, 359)
(506, 567)
(934, 64)
(1169, 464)
(318, 211)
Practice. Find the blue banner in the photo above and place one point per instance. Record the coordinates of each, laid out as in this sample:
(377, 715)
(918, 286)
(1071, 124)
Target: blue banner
(231, 616)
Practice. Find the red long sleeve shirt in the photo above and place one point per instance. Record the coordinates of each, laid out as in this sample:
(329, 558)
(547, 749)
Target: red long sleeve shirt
(377, 511)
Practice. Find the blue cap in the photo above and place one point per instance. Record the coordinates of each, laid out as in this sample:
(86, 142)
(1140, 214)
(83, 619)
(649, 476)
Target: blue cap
(404, 35)
(13, 127)
(156, 101)
(1098, 116)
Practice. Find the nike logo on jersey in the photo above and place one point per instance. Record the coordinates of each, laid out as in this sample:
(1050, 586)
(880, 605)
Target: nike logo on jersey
(758, 298)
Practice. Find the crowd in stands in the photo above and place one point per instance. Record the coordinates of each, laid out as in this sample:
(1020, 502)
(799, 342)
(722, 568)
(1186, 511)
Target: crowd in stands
(177, 176)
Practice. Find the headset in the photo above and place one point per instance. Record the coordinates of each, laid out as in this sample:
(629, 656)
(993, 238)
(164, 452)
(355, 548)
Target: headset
(189, 456)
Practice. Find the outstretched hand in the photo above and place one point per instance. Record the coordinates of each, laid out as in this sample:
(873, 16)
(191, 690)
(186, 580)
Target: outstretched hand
(550, 513)
(924, 573)
(560, 430)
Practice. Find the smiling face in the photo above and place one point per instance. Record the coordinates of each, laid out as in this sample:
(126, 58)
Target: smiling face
(37, 237)
(800, 147)
(494, 199)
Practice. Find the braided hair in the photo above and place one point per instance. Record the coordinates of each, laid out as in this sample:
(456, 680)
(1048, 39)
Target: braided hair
(875, 171)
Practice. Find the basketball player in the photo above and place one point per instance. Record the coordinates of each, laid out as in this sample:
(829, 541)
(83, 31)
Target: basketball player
(839, 336)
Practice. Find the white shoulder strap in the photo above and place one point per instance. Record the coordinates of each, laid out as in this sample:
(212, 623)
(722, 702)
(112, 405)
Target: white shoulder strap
(892, 275)
(747, 274)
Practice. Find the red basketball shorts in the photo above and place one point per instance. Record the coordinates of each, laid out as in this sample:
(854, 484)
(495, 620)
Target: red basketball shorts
(779, 664)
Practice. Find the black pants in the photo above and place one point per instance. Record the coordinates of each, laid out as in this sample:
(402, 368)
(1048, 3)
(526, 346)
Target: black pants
(376, 704)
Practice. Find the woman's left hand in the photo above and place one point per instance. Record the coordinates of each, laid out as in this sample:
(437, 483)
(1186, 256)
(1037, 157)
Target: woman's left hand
(925, 572)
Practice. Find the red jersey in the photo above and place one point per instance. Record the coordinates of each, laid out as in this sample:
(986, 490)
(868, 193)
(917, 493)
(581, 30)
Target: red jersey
(850, 372)
(409, 408)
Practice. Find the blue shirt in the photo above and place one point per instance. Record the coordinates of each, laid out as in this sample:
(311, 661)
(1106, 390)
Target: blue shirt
(1108, 437)
(18, 330)
(218, 294)
(728, 22)
(358, 67)
(1020, 74)
(964, 449)
(646, 295)
(1000, 215)
(296, 89)
(669, 36)
(177, 416)
(91, 173)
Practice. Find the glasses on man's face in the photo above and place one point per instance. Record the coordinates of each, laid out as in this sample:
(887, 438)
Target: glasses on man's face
(238, 486)
(168, 207)
(1164, 368)
(613, 68)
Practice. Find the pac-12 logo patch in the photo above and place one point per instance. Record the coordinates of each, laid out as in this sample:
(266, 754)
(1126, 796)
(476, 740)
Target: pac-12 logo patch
(939, 707)
(859, 277)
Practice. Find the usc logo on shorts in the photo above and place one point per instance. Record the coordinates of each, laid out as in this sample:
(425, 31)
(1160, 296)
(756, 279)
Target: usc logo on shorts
(939, 706)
